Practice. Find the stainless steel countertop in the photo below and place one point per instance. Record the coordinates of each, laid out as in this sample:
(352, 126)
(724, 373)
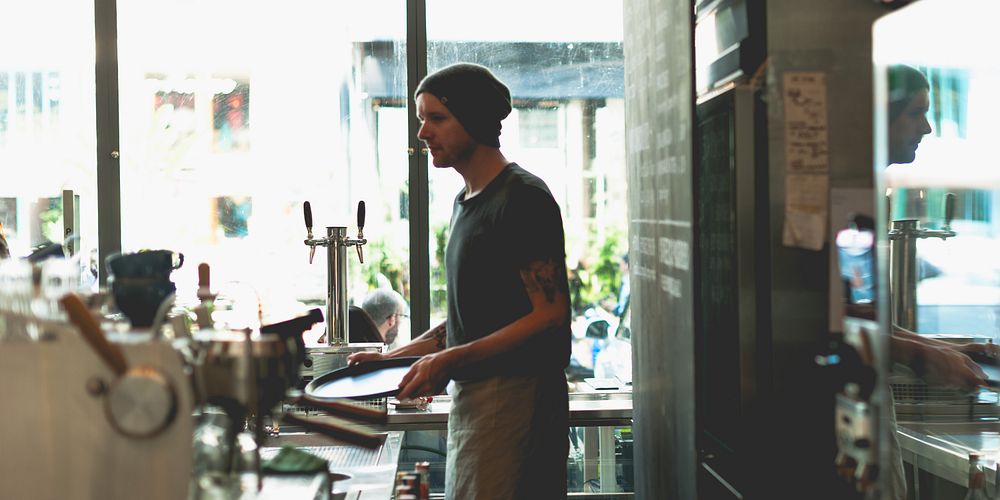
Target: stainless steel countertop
(374, 481)
(372, 472)
(590, 409)
(942, 448)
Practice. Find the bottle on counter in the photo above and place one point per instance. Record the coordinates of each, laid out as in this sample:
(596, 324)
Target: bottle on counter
(977, 479)
(402, 492)
(424, 473)
(406, 484)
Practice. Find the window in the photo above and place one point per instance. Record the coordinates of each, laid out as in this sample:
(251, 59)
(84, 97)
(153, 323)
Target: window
(539, 127)
(226, 133)
(47, 114)
(567, 83)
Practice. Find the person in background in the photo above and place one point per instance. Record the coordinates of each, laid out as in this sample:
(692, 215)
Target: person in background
(361, 327)
(624, 290)
(506, 340)
(385, 306)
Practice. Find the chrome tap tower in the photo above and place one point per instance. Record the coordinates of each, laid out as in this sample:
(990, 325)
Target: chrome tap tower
(336, 243)
(903, 236)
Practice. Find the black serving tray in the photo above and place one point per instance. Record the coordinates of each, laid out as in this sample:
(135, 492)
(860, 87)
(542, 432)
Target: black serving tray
(374, 379)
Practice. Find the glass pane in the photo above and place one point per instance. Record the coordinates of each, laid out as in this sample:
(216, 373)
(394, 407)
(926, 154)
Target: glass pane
(47, 114)
(567, 127)
(226, 132)
(936, 160)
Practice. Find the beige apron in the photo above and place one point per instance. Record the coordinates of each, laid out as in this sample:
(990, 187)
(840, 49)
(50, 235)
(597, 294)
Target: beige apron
(508, 438)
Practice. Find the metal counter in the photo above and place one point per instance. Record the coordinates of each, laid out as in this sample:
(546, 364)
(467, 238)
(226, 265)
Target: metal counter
(598, 412)
(372, 472)
(590, 409)
(942, 448)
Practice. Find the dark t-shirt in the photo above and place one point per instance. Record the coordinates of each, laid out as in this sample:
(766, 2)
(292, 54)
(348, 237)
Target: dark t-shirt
(512, 222)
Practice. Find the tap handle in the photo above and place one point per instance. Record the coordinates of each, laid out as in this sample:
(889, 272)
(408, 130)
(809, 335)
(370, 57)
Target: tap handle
(204, 281)
(307, 211)
(361, 232)
(361, 216)
(949, 208)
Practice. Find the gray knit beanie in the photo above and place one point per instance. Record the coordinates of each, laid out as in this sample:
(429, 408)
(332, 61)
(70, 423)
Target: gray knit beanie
(474, 95)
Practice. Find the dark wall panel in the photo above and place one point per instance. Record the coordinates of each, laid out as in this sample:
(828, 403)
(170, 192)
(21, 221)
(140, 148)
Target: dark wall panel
(658, 116)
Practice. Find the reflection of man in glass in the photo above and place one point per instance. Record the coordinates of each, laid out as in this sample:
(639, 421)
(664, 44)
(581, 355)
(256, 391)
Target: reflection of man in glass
(940, 363)
(909, 101)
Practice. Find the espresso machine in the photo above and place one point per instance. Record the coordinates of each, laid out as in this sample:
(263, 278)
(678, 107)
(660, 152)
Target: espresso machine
(100, 410)
(89, 416)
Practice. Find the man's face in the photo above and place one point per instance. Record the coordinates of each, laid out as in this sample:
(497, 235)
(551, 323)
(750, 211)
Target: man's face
(393, 331)
(450, 145)
(908, 128)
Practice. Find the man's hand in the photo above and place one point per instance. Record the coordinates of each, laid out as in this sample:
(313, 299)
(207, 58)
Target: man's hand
(949, 367)
(364, 357)
(427, 377)
(986, 350)
(939, 362)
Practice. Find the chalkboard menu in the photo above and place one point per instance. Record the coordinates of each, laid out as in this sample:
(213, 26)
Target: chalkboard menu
(718, 342)
(659, 102)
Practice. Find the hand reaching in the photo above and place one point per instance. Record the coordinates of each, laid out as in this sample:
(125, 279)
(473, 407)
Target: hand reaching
(949, 367)
(427, 377)
(364, 357)
(989, 351)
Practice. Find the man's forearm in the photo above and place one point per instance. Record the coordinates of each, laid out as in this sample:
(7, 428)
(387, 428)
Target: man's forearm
(905, 350)
(900, 332)
(431, 341)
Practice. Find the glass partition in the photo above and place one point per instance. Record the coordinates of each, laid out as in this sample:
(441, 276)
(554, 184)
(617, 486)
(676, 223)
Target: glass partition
(938, 183)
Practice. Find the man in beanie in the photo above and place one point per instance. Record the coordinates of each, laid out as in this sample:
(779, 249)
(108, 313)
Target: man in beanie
(506, 341)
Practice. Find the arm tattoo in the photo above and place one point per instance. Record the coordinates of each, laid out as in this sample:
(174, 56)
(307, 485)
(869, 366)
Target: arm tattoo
(547, 276)
(440, 334)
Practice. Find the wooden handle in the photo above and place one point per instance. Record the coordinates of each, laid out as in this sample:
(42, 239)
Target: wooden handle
(336, 431)
(204, 277)
(80, 316)
(347, 410)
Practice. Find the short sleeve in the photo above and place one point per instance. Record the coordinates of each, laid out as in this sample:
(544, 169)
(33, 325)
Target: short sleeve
(534, 226)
